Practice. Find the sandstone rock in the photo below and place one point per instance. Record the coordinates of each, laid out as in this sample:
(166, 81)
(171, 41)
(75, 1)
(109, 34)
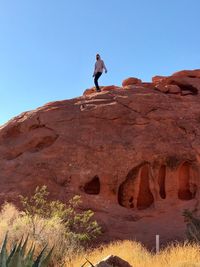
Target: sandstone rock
(103, 88)
(131, 81)
(133, 87)
(132, 155)
(185, 83)
(139, 86)
(113, 261)
(162, 88)
(110, 88)
(148, 85)
(183, 93)
(187, 80)
(188, 73)
(158, 79)
(90, 91)
(173, 89)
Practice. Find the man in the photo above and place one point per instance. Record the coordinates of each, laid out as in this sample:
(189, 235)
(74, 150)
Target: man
(98, 70)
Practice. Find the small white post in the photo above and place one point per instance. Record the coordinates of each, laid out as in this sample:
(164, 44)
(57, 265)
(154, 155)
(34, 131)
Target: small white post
(157, 243)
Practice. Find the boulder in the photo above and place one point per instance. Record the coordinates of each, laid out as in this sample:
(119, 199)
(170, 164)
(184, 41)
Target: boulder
(90, 91)
(113, 261)
(173, 89)
(187, 73)
(162, 88)
(158, 79)
(185, 80)
(131, 81)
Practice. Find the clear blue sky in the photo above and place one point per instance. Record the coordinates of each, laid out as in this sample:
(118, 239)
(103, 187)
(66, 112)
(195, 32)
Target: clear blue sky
(48, 47)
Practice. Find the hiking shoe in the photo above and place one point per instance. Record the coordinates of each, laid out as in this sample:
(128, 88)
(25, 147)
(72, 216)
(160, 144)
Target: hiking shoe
(99, 90)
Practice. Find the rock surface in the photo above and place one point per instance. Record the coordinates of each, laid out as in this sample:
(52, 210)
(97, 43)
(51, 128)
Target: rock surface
(103, 89)
(103, 264)
(113, 261)
(131, 81)
(133, 155)
(186, 80)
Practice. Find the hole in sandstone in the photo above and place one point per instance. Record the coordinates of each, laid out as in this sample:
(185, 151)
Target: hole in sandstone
(185, 191)
(145, 197)
(131, 200)
(93, 186)
(127, 188)
(191, 76)
(161, 181)
(125, 194)
(187, 87)
(45, 142)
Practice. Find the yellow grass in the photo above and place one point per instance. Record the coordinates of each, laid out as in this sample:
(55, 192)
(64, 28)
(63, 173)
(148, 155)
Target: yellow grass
(185, 255)
(53, 233)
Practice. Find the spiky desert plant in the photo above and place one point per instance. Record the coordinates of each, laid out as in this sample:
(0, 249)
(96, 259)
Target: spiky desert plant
(87, 261)
(18, 257)
(193, 226)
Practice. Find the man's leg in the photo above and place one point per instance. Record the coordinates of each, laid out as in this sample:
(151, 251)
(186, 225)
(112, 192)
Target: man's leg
(97, 75)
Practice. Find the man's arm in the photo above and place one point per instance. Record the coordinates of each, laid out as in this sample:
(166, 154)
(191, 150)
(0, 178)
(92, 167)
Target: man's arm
(94, 70)
(104, 67)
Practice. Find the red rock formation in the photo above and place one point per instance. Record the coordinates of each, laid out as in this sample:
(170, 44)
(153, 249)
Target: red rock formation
(133, 155)
(187, 82)
(157, 79)
(131, 81)
(103, 88)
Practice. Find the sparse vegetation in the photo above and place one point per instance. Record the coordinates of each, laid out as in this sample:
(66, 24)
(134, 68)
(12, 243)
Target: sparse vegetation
(82, 226)
(54, 223)
(193, 226)
(176, 255)
(179, 255)
(70, 231)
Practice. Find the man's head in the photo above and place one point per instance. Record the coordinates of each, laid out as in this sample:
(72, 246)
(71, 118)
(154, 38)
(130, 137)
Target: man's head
(97, 56)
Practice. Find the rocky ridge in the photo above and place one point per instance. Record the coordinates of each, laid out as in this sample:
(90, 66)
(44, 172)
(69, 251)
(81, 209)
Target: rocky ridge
(131, 152)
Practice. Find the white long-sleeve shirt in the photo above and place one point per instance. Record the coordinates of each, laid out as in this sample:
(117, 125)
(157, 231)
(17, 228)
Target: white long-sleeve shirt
(99, 66)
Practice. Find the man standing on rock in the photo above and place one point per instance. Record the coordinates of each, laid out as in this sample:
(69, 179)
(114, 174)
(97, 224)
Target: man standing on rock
(98, 70)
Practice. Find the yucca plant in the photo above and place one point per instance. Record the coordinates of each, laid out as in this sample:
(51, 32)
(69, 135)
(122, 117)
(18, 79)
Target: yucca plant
(18, 257)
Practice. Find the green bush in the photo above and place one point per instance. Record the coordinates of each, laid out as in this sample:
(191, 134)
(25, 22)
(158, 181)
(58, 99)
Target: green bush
(79, 224)
(50, 222)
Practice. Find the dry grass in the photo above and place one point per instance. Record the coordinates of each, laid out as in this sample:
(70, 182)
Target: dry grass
(53, 233)
(185, 255)
(47, 231)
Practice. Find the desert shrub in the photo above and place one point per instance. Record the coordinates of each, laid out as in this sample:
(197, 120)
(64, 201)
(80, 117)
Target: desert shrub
(50, 222)
(192, 225)
(80, 224)
(47, 231)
